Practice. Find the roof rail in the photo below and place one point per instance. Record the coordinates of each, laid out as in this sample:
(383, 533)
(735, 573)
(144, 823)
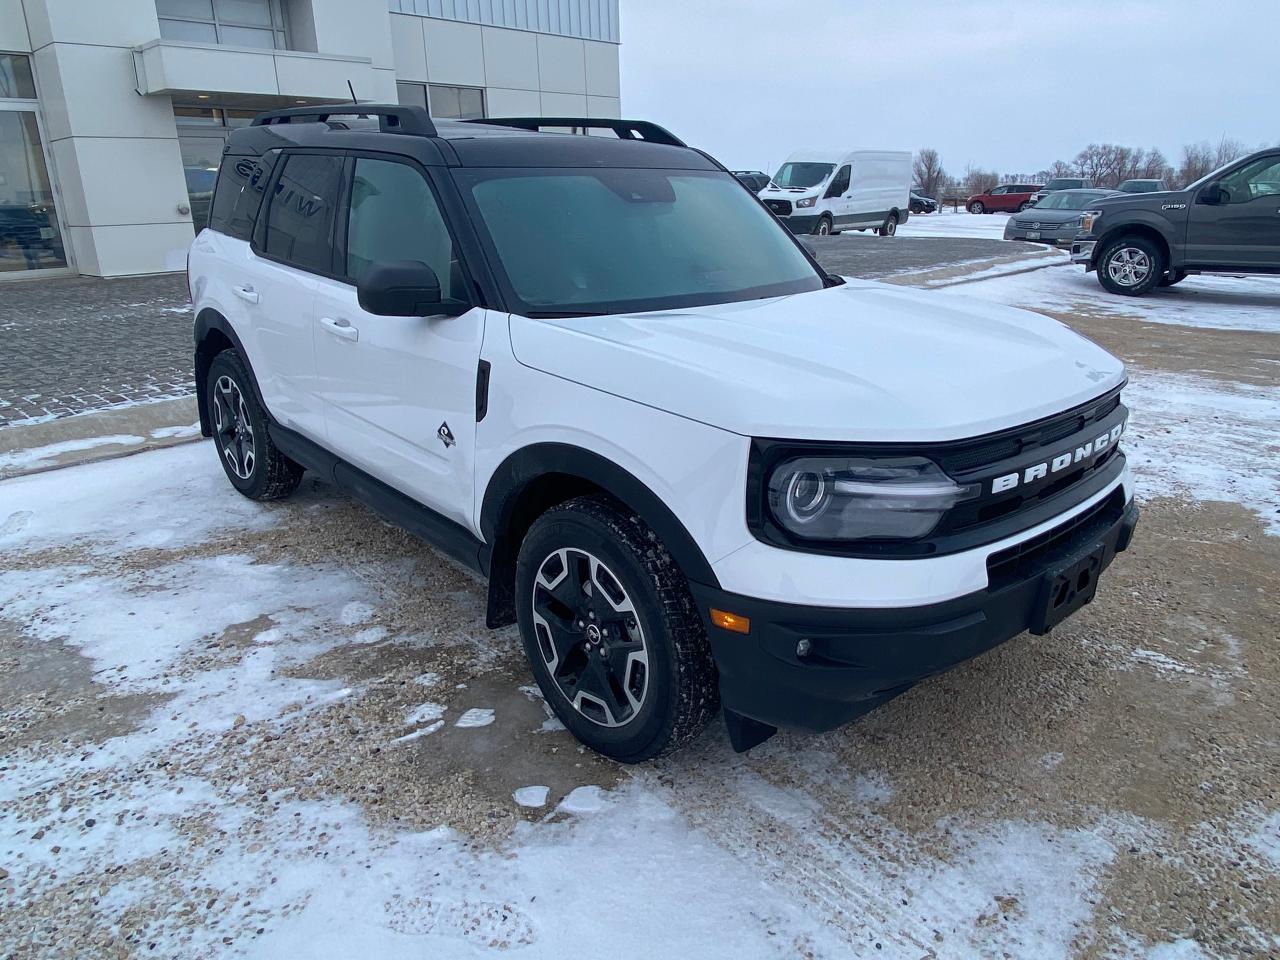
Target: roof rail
(392, 118)
(625, 129)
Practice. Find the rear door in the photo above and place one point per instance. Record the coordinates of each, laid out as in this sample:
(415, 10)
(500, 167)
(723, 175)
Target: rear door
(292, 246)
(1243, 230)
(399, 393)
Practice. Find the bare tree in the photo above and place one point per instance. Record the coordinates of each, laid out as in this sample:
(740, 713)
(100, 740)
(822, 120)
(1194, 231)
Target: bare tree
(1197, 160)
(1102, 163)
(1228, 150)
(977, 180)
(928, 171)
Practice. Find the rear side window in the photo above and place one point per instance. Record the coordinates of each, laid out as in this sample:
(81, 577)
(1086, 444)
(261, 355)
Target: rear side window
(300, 212)
(238, 194)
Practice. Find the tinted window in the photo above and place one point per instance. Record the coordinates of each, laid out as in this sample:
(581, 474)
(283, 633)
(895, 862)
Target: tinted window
(394, 216)
(839, 183)
(300, 213)
(615, 240)
(238, 194)
(1258, 179)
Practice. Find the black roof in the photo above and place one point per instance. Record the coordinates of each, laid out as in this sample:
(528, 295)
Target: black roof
(513, 142)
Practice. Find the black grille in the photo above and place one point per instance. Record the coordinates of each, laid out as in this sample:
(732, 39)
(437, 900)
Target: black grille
(1026, 558)
(975, 455)
(781, 207)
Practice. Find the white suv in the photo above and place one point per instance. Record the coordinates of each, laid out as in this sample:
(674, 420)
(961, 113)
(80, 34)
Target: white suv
(696, 469)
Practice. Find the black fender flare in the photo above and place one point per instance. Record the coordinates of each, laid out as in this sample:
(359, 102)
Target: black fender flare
(207, 321)
(1140, 222)
(502, 526)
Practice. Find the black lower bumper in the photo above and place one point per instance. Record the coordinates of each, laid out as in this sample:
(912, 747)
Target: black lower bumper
(801, 223)
(860, 658)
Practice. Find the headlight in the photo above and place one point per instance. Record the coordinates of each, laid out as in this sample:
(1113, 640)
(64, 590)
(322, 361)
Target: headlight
(807, 202)
(1089, 219)
(1079, 221)
(862, 498)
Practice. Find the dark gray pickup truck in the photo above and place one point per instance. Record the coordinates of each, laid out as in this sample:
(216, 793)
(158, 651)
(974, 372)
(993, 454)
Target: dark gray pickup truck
(1226, 222)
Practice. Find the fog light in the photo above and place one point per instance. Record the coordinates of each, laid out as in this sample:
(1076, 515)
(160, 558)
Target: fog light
(803, 647)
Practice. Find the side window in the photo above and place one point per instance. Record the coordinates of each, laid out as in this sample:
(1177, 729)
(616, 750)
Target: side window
(998, 192)
(238, 194)
(1259, 179)
(300, 213)
(394, 216)
(839, 183)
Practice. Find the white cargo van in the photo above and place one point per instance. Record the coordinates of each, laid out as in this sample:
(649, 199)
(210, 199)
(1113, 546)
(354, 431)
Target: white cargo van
(826, 191)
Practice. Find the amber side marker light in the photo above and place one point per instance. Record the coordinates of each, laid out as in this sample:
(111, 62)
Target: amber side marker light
(730, 621)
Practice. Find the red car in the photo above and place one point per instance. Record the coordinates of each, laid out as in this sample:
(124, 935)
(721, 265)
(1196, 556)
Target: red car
(1009, 198)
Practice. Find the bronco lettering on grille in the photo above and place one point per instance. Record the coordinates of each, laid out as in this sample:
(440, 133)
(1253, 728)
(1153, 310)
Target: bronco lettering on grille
(1039, 471)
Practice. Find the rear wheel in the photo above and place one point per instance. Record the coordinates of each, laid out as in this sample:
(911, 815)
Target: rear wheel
(823, 227)
(977, 207)
(1172, 277)
(1130, 266)
(890, 226)
(1024, 205)
(612, 633)
(252, 462)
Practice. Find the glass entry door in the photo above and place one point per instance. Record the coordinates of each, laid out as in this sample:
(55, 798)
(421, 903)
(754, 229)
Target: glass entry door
(30, 235)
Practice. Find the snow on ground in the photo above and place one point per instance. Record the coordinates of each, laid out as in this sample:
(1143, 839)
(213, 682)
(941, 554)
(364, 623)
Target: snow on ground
(1205, 439)
(1222, 303)
(959, 224)
(34, 457)
(317, 878)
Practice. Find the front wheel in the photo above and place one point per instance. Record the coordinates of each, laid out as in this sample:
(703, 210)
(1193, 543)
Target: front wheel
(252, 462)
(1130, 266)
(890, 226)
(823, 227)
(612, 633)
(977, 207)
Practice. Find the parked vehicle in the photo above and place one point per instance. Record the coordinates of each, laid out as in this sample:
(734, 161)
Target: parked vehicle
(753, 180)
(1061, 183)
(1005, 199)
(1226, 222)
(1056, 218)
(823, 191)
(1142, 186)
(922, 204)
(695, 468)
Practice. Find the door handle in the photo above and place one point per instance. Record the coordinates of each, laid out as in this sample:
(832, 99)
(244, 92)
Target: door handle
(340, 328)
(246, 293)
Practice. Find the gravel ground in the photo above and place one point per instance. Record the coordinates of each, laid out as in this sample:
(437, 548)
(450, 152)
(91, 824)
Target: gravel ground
(218, 737)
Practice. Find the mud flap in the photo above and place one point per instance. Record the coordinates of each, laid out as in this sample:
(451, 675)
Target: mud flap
(745, 733)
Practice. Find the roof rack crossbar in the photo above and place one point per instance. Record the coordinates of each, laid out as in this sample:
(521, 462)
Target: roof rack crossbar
(392, 118)
(625, 129)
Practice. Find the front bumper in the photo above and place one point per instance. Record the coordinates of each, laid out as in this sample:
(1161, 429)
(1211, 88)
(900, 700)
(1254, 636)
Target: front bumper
(1043, 235)
(801, 223)
(1082, 250)
(860, 658)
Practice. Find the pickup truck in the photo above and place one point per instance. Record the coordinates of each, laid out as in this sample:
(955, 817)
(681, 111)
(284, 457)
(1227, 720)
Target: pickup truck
(1225, 222)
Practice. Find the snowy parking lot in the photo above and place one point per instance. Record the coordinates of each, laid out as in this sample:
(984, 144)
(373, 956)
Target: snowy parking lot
(233, 729)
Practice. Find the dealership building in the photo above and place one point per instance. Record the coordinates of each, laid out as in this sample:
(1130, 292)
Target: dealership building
(113, 113)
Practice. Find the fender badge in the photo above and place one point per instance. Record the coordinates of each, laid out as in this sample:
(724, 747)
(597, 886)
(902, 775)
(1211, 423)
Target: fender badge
(445, 435)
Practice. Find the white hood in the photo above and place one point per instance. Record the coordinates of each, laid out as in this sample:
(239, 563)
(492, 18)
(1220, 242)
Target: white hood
(863, 361)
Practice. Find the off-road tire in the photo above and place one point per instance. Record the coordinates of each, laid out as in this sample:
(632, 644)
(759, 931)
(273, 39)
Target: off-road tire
(682, 695)
(273, 475)
(1145, 258)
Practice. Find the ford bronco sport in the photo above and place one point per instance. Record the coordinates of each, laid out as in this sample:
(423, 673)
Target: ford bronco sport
(1226, 222)
(695, 469)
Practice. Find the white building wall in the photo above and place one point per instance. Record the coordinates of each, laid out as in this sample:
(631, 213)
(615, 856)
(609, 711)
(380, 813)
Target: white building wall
(107, 82)
(116, 165)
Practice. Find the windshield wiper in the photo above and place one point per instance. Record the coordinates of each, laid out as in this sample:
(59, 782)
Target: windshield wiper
(550, 314)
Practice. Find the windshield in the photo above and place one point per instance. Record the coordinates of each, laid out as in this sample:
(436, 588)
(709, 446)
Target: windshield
(1139, 186)
(802, 174)
(616, 241)
(1070, 200)
(1063, 183)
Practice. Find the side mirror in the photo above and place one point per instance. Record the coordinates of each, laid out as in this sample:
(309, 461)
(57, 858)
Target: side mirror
(404, 288)
(1212, 194)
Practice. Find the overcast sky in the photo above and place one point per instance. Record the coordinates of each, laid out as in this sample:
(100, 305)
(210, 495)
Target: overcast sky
(1004, 85)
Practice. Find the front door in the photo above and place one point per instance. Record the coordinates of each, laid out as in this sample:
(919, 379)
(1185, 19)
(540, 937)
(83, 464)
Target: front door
(837, 198)
(1241, 229)
(399, 393)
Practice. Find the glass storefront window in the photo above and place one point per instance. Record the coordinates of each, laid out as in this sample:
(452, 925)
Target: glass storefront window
(200, 156)
(236, 23)
(15, 77)
(445, 102)
(30, 238)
